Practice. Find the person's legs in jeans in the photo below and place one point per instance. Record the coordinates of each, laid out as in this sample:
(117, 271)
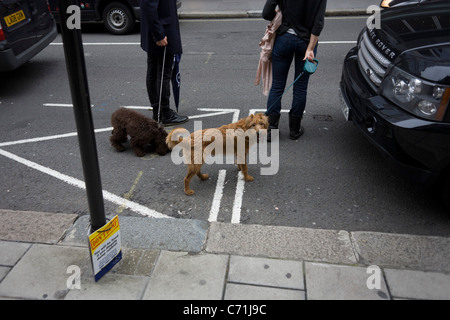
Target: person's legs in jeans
(299, 92)
(282, 56)
(301, 86)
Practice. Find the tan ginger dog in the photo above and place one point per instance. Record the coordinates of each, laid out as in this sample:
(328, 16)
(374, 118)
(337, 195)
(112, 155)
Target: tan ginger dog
(235, 138)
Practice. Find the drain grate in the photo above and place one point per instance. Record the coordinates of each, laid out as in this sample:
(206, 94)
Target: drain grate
(322, 117)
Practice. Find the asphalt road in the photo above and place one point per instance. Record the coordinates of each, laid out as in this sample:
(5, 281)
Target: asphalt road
(331, 178)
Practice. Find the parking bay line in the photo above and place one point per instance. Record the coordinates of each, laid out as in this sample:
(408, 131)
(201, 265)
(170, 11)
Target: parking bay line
(215, 207)
(123, 201)
(81, 184)
(236, 215)
(237, 204)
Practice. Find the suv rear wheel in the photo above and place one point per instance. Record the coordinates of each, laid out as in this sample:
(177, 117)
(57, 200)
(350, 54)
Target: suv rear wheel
(118, 18)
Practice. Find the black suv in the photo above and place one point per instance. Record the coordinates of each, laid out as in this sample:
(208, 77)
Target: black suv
(118, 16)
(396, 89)
(26, 27)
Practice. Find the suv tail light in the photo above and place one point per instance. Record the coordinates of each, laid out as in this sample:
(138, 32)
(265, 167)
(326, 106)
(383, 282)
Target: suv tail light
(2, 34)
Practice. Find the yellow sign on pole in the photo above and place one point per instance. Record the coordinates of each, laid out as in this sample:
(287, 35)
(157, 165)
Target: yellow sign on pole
(105, 248)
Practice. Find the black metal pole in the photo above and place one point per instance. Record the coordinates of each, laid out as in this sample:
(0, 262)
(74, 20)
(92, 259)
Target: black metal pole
(76, 69)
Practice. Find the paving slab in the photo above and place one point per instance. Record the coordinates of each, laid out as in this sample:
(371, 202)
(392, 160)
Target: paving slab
(338, 282)
(236, 291)
(183, 276)
(109, 287)
(402, 251)
(266, 272)
(12, 252)
(42, 272)
(3, 272)
(281, 242)
(138, 262)
(412, 284)
(30, 226)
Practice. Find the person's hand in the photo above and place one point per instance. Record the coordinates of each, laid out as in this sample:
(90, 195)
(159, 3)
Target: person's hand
(162, 43)
(309, 55)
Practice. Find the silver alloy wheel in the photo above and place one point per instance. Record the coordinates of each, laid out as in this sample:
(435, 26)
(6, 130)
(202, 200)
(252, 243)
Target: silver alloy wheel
(117, 19)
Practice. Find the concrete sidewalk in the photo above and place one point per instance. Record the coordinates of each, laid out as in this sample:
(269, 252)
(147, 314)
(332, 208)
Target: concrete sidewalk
(191, 9)
(195, 260)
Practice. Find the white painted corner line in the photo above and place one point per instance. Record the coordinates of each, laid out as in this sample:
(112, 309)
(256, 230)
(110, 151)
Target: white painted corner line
(236, 215)
(82, 185)
(53, 137)
(215, 207)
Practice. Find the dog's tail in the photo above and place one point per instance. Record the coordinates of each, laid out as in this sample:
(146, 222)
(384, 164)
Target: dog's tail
(176, 136)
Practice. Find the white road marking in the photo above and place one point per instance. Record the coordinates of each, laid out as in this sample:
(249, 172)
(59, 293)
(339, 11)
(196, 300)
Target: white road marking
(54, 137)
(62, 105)
(81, 184)
(253, 111)
(214, 112)
(240, 186)
(119, 200)
(215, 207)
(139, 107)
(11, 143)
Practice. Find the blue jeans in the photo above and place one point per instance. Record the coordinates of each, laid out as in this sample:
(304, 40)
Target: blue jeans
(286, 47)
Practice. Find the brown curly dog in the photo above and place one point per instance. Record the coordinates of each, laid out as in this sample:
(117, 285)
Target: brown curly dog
(142, 131)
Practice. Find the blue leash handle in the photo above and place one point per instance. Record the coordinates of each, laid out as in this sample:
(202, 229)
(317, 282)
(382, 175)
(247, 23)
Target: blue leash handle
(309, 67)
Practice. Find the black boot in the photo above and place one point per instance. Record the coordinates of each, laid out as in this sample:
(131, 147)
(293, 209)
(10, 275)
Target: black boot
(295, 127)
(155, 113)
(273, 124)
(169, 117)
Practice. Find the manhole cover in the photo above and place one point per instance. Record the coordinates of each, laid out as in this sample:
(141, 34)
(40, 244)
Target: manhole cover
(322, 117)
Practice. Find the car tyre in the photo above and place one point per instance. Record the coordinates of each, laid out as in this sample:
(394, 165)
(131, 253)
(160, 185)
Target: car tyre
(118, 18)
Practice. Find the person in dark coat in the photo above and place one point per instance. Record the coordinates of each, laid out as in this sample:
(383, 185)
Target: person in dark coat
(160, 32)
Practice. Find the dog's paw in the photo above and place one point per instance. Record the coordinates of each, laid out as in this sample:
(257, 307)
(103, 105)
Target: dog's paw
(248, 178)
(189, 192)
(204, 176)
(139, 152)
(118, 146)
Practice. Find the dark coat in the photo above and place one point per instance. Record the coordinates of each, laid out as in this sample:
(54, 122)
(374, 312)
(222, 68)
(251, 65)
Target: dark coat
(159, 19)
(306, 17)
